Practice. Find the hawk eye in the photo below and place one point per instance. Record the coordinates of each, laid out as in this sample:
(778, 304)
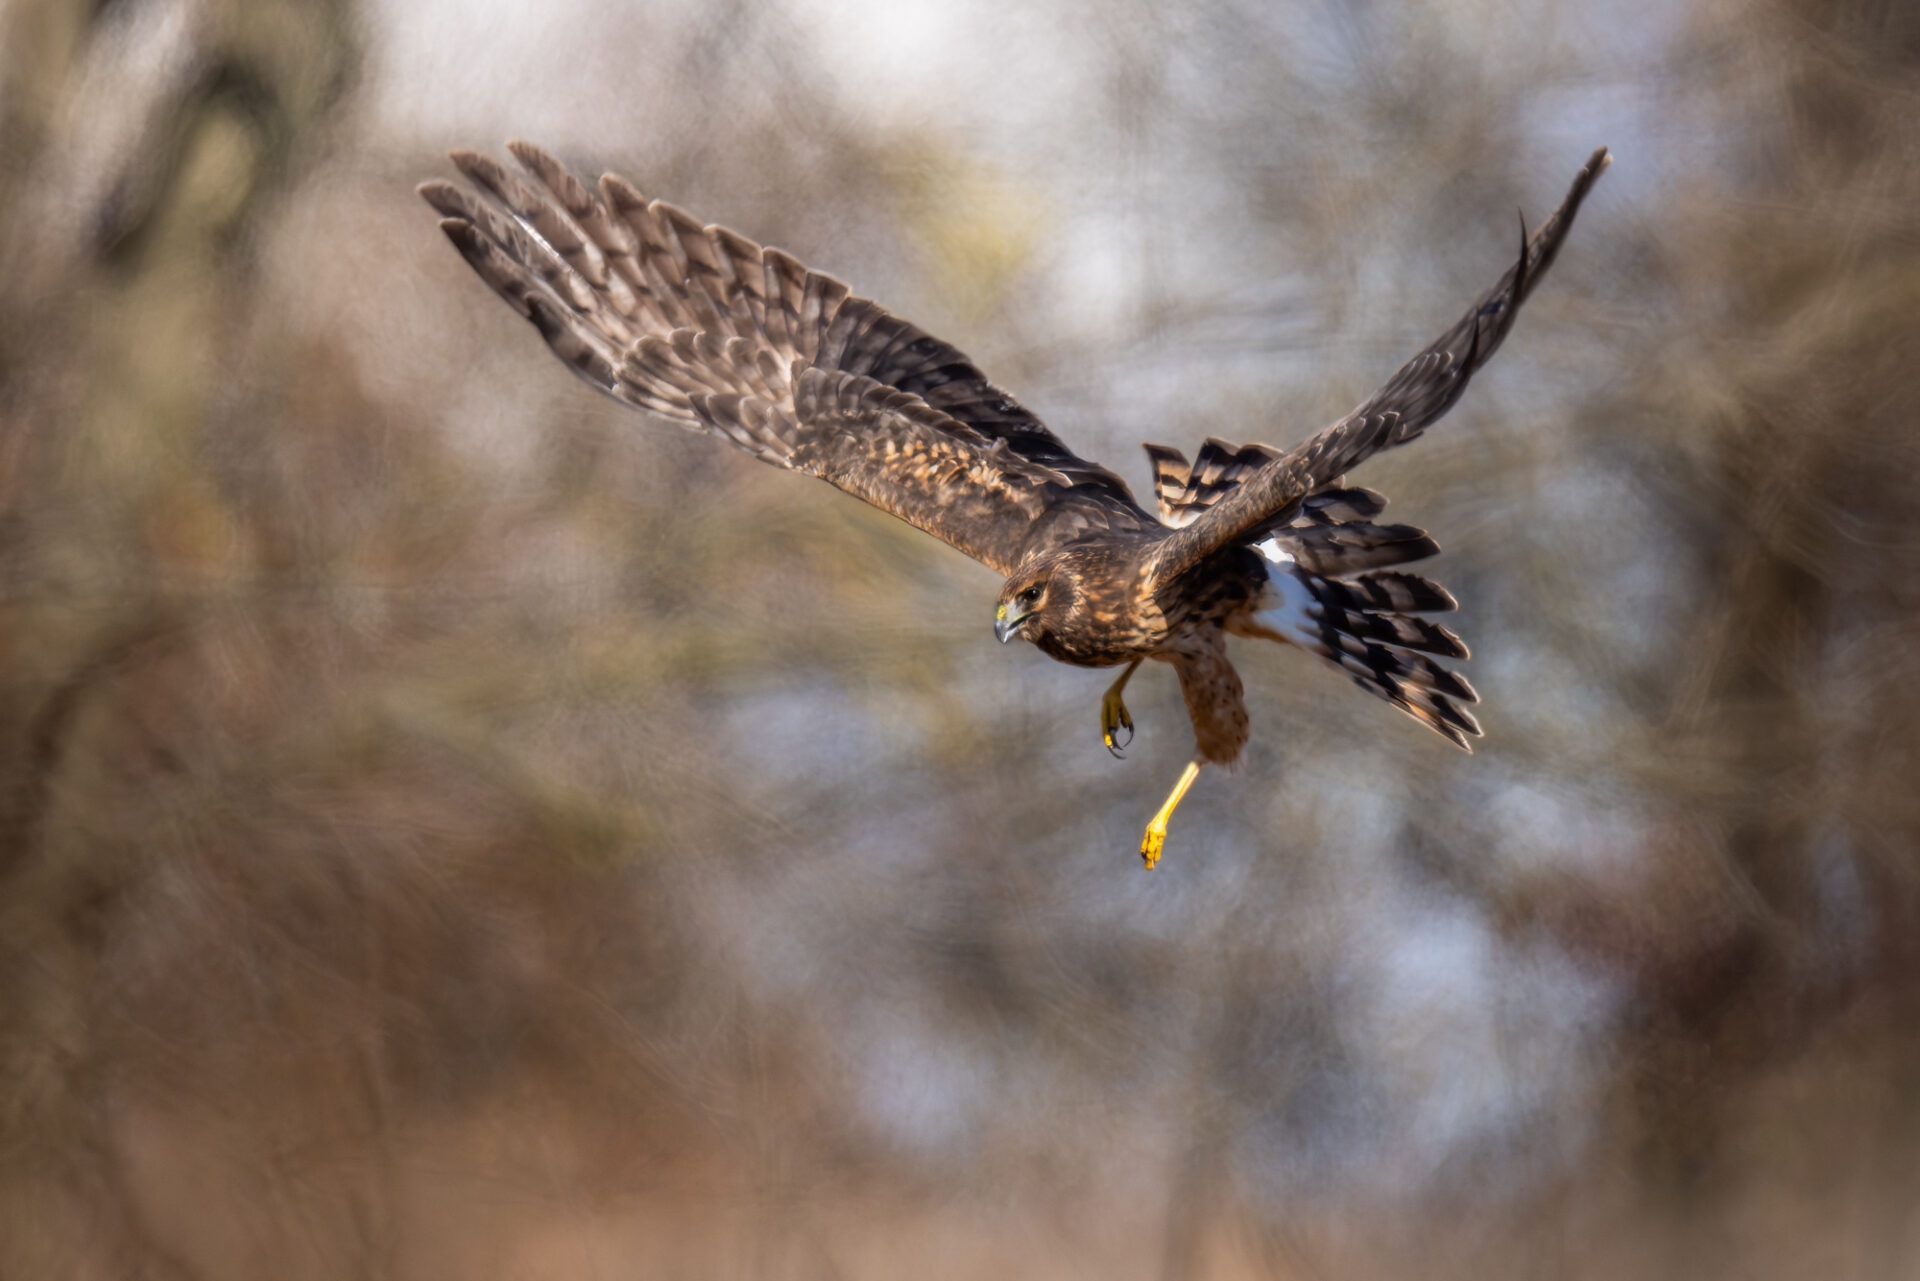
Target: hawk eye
(1031, 594)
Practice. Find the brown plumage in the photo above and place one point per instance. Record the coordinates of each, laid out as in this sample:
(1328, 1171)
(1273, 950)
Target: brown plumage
(701, 325)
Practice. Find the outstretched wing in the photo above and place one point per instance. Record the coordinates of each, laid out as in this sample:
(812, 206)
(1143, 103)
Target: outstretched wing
(702, 325)
(1424, 389)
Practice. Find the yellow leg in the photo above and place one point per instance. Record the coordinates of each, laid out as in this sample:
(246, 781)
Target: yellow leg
(1113, 712)
(1157, 830)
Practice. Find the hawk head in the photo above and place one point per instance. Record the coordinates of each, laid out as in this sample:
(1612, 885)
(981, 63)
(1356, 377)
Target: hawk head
(1036, 600)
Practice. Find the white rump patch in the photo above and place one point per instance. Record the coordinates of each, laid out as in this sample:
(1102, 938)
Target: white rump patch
(1285, 609)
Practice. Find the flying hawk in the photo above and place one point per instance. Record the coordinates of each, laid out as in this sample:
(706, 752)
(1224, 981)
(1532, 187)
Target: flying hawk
(700, 324)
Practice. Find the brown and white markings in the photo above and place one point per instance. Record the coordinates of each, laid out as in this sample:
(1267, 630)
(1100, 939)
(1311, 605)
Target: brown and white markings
(700, 325)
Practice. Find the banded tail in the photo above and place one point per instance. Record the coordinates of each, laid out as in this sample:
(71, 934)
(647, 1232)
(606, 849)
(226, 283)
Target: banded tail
(1335, 589)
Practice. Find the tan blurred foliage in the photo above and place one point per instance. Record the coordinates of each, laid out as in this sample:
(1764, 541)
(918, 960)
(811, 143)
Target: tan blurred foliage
(449, 827)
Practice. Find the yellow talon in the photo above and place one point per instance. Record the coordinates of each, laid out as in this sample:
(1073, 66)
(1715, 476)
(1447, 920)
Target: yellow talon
(1113, 713)
(1152, 842)
(1113, 716)
(1156, 835)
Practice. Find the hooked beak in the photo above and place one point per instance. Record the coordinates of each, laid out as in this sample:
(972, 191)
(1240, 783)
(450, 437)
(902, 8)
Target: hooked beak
(1007, 621)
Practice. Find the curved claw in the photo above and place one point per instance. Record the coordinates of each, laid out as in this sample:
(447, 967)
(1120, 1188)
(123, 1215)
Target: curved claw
(1113, 716)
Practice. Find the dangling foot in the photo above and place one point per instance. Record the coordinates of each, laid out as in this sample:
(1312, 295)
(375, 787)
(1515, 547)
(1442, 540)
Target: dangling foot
(1156, 836)
(1113, 713)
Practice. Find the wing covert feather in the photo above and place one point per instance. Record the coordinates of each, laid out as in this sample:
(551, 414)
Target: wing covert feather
(889, 448)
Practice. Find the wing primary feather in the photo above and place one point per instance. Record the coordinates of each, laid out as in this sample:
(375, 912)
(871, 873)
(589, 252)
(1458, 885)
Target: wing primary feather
(548, 221)
(612, 239)
(1417, 395)
(1520, 282)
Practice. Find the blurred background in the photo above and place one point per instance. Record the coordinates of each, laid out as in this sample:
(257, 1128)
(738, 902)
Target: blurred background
(453, 827)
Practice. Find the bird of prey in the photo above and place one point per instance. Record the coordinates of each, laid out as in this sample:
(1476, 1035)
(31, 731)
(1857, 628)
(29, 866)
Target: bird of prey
(699, 324)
